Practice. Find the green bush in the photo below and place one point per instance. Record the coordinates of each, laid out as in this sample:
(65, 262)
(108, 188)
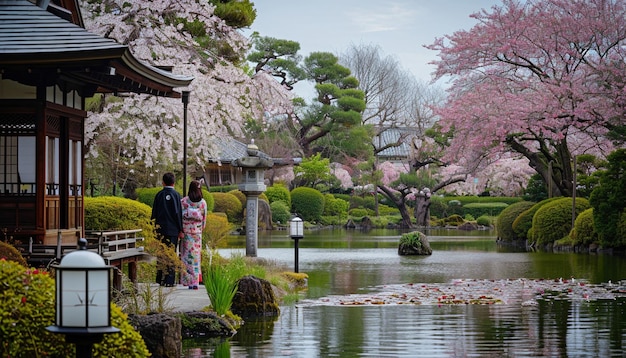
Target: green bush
(146, 195)
(469, 199)
(208, 197)
(584, 232)
(553, 221)
(504, 223)
(230, 205)
(524, 221)
(278, 192)
(240, 195)
(10, 253)
(115, 213)
(384, 210)
(454, 220)
(438, 207)
(335, 207)
(487, 208)
(358, 212)
(308, 203)
(223, 188)
(609, 201)
(486, 220)
(280, 212)
(27, 307)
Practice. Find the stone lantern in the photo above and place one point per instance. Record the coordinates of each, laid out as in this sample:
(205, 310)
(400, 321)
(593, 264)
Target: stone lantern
(252, 185)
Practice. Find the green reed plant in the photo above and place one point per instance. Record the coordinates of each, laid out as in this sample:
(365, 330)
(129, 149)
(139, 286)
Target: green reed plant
(220, 286)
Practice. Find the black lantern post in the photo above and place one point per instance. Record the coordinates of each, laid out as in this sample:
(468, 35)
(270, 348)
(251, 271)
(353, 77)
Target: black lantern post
(185, 98)
(83, 299)
(296, 231)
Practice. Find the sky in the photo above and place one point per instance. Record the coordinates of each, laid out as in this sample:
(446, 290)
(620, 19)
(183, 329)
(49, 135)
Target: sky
(400, 27)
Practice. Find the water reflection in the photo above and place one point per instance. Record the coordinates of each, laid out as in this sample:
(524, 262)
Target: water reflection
(340, 262)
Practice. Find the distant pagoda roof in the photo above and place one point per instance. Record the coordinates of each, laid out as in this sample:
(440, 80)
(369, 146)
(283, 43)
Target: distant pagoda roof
(34, 40)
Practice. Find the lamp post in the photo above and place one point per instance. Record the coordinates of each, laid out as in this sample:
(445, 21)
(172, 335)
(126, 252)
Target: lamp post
(185, 98)
(296, 231)
(83, 299)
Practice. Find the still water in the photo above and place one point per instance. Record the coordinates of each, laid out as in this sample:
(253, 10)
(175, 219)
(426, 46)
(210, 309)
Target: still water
(341, 262)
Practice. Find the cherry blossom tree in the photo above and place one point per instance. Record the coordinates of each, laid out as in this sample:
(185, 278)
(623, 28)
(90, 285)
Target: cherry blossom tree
(542, 78)
(186, 36)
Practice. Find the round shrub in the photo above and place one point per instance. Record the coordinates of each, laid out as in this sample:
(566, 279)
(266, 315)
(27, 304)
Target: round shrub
(115, 213)
(524, 221)
(485, 220)
(216, 231)
(308, 203)
(280, 212)
(10, 253)
(240, 195)
(504, 223)
(335, 207)
(210, 203)
(278, 192)
(146, 195)
(454, 220)
(27, 306)
(584, 232)
(230, 205)
(553, 221)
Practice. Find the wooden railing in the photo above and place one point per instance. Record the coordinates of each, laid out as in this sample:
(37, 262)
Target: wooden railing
(120, 249)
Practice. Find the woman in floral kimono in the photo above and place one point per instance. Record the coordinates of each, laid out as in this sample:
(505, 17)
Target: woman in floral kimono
(194, 220)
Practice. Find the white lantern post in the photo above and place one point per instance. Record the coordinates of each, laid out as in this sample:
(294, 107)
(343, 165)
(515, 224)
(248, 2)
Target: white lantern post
(83, 299)
(296, 232)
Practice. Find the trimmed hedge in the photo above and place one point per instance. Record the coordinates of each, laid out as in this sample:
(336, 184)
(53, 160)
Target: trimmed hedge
(487, 208)
(504, 223)
(146, 196)
(230, 205)
(278, 192)
(115, 213)
(524, 221)
(553, 221)
(584, 232)
(308, 203)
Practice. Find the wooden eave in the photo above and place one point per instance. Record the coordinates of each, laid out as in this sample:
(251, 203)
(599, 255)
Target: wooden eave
(37, 47)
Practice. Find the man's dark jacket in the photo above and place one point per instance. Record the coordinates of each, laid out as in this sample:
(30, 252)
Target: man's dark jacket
(167, 212)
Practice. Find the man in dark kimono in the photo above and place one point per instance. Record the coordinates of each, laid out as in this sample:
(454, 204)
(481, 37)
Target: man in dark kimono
(167, 215)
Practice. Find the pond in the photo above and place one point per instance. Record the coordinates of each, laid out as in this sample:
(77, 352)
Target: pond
(349, 271)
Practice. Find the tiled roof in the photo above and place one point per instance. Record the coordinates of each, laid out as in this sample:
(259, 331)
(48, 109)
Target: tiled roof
(392, 135)
(230, 149)
(33, 38)
(28, 29)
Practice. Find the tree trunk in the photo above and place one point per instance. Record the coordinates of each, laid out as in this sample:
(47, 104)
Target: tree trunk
(400, 202)
(554, 167)
(422, 210)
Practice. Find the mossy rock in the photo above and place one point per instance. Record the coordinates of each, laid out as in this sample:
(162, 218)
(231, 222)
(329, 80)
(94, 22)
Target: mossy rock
(254, 298)
(414, 243)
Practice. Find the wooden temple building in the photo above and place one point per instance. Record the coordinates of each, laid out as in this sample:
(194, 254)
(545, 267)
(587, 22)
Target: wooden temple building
(49, 65)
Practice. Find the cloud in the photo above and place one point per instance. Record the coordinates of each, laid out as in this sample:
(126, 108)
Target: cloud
(383, 18)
